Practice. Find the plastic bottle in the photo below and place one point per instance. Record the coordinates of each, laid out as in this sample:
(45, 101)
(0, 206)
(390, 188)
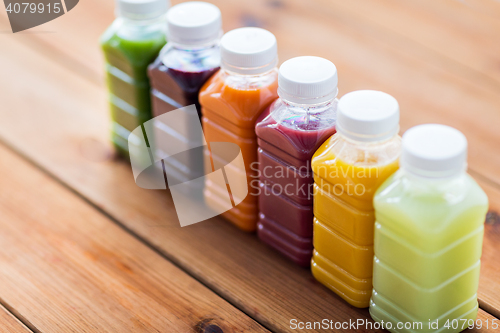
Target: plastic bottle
(428, 235)
(231, 101)
(289, 133)
(190, 58)
(130, 44)
(348, 168)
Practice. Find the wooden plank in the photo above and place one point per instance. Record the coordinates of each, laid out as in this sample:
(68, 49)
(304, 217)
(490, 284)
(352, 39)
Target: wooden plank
(430, 86)
(67, 268)
(63, 128)
(489, 284)
(485, 323)
(456, 35)
(10, 324)
(73, 37)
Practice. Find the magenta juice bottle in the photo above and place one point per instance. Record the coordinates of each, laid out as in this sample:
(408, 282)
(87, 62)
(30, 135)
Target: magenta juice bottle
(189, 59)
(289, 133)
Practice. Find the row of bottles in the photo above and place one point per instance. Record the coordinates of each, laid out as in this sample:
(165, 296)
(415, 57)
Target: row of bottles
(393, 224)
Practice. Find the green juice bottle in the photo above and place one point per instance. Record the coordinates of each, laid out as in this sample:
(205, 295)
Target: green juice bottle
(428, 236)
(130, 44)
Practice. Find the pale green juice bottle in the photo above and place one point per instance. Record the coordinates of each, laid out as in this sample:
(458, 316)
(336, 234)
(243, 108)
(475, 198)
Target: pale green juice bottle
(428, 236)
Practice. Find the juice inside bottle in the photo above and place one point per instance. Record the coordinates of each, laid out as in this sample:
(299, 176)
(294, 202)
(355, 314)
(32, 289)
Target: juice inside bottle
(348, 168)
(130, 44)
(190, 58)
(428, 235)
(289, 132)
(231, 102)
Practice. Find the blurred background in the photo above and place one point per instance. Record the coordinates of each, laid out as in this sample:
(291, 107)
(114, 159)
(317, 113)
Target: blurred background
(440, 59)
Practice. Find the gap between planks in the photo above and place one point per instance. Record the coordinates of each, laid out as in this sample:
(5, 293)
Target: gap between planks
(13, 322)
(117, 222)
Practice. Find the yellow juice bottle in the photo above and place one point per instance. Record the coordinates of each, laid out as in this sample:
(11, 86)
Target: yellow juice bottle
(428, 236)
(348, 168)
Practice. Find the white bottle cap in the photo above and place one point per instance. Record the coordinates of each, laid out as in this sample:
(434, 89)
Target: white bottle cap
(434, 150)
(249, 51)
(141, 9)
(307, 80)
(368, 115)
(194, 23)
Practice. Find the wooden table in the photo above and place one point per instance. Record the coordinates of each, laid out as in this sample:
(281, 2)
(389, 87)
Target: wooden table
(83, 249)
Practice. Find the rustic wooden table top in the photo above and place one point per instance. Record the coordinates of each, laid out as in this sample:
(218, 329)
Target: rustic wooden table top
(83, 249)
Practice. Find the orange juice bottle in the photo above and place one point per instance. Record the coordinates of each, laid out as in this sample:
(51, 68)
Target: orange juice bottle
(348, 168)
(231, 101)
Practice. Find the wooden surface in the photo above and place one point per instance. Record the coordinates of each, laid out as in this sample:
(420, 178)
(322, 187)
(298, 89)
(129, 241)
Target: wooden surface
(66, 267)
(10, 324)
(93, 251)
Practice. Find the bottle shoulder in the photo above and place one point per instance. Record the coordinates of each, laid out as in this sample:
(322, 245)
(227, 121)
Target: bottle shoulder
(297, 139)
(108, 34)
(456, 193)
(340, 151)
(176, 69)
(126, 37)
(225, 83)
(240, 104)
(430, 215)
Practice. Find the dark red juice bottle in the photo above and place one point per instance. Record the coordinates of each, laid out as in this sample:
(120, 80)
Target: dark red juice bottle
(189, 59)
(177, 88)
(289, 132)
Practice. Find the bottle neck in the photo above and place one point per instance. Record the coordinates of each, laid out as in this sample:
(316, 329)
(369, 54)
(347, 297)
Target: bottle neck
(133, 29)
(364, 142)
(228, 72)
(432, 176)
(262, 70)
(308, 107)
(194, 48)
(249, 81)
(367, 139)
(141, 22)
(432, 180)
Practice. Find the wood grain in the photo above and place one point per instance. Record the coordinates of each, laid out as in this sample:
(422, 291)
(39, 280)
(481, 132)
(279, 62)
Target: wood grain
(67, 268)
(10, 324)
(489, 295)
(63, 129)
(454, 35)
